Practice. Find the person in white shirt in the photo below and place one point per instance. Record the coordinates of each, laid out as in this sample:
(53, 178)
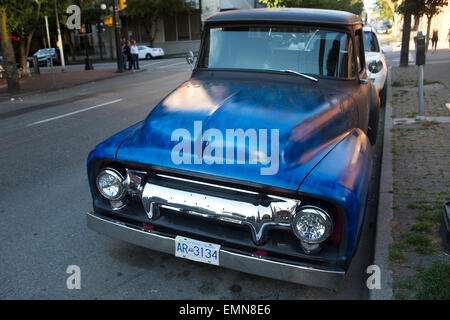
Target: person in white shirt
(135, 53)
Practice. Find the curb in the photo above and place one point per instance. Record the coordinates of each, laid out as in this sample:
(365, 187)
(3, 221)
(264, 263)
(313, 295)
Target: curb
(383, 237)
(6, 97)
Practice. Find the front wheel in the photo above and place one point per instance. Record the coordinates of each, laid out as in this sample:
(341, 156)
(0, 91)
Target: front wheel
(383, 95)
(374, 114)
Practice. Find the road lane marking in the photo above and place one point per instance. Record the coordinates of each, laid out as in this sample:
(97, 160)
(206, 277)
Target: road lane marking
(173, 64)
(75, 112)
(153, 63)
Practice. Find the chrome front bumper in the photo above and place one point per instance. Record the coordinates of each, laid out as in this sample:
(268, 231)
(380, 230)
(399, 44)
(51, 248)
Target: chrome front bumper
(252, 264)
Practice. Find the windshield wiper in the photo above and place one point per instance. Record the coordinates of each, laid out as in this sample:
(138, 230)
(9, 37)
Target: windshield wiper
(300, 74)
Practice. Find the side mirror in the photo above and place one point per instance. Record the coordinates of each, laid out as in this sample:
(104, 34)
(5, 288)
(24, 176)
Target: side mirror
(190, 59)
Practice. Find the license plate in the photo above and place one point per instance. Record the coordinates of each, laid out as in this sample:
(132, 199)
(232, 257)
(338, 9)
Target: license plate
(197, 250)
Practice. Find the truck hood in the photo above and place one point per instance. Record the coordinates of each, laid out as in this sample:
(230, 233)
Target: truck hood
(190, 130)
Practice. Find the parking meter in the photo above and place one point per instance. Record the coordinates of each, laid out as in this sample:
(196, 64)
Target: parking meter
(420, 48)
(420, 61)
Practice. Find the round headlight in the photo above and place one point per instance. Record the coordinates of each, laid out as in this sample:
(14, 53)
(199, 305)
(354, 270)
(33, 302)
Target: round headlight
(375, 66)
(110, 184)
(312, 224)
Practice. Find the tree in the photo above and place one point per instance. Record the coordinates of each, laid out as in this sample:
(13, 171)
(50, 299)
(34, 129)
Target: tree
(9, 59)
(354, 6)
(408, 8)
(149, 11)
(26, 14)
(430, 9)
(389, 10)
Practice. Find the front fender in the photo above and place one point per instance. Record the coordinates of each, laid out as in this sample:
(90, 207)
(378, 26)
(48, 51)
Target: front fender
(342, 177)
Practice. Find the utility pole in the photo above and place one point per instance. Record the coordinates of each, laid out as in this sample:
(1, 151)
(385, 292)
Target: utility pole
(59, 44)
(50, 51)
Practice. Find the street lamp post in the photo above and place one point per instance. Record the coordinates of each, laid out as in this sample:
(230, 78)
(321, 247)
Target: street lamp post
(88, 65)
(116, 22)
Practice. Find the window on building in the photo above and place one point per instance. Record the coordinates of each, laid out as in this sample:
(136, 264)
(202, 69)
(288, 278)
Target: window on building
(170, 29)
(195, 26)
(182, 27)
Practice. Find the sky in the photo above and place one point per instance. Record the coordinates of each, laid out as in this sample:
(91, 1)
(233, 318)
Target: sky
(369, 4)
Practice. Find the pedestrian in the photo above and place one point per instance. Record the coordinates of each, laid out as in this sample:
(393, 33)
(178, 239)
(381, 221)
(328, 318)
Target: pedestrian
(123, 43)
(135, 53)
(434, 39)
(129, 55)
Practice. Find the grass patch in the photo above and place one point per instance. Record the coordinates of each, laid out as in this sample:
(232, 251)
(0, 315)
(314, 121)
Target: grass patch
(431, 123)
(426, 82)
(397, 84)
(435, 281)
(421, 227)
(425, 205)
(396, 254)
(420, 243)
(405, 284)
(431, 216)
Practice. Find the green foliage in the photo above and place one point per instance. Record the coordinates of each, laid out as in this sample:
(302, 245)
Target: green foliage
(387, 8)
(418, 8)
(435, 281)
(354, 6)
(433, 7)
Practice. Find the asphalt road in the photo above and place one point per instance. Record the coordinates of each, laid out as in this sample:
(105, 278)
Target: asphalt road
(44, 195)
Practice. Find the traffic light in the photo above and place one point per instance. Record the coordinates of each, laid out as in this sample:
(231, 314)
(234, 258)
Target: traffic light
(108, 21)
(122, 4)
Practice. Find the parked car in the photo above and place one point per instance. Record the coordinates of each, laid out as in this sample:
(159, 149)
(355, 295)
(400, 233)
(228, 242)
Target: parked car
(43, 56)
(150, 53)
(261, 161)
(376, 62)
(381, 28)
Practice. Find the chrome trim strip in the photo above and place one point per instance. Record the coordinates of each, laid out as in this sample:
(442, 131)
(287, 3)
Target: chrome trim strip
(256, 265)
(260, 215)
(206, 184)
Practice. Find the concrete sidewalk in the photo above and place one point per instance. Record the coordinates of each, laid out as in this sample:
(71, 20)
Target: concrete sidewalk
(415, 183)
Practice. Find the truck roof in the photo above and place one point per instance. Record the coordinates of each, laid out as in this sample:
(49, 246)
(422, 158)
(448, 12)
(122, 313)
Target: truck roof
(291, 15)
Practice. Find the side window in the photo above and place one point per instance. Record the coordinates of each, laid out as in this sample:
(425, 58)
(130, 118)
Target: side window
(352, 63)
(359, 49)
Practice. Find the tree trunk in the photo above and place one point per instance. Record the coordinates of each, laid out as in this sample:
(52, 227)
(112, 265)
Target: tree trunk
(9, 60)
(68, 39)
(427, 39)
(395, 25)
(404, 53)
(23, 58)
(148, 26)
(155, 31)
(416, 23)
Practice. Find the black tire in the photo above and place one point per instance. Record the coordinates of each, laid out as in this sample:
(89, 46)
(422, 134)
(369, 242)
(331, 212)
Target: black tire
(383, 95)
(372, 130)
(148, 56)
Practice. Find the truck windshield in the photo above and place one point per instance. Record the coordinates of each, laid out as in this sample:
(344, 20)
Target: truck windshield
(305, 50)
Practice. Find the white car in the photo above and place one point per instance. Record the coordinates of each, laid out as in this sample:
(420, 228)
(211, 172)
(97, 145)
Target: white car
(149, 53)
(375, 61)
